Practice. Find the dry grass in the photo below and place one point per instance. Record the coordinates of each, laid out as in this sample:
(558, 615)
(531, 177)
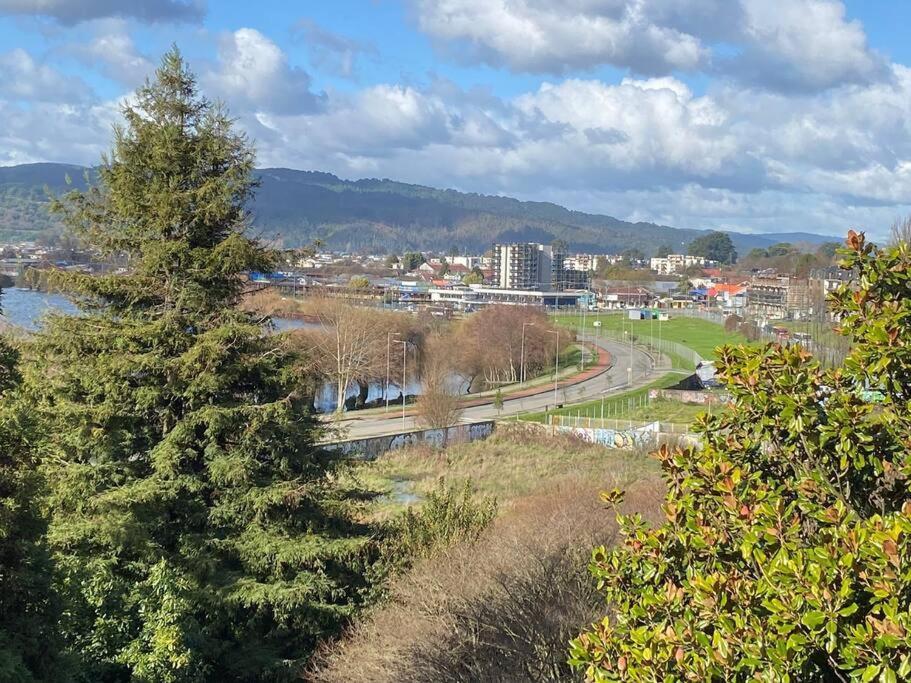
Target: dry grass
(504, 607)
(516, 461)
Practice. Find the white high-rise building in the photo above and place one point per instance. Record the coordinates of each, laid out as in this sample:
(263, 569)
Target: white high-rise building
(529, 266)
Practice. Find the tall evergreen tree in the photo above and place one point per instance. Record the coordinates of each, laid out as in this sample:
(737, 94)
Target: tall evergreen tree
(196, 528)
(29, 646)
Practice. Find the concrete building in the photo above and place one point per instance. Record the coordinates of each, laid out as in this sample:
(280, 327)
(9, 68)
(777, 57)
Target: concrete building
(473, 297)
(780, 297)
(528, 266)
(676, 263)
(618, 298)
(590, 262)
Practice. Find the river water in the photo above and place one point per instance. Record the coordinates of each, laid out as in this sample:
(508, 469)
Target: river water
(25, 308)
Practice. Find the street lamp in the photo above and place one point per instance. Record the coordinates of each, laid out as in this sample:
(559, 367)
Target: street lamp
(629, 368)
(389, 336)
(522, 364)
(404, 343)
(556, 362)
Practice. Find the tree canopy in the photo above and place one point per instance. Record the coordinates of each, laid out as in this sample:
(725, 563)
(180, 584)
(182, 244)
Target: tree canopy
(786, 547)
(715, 246)
(195, 529)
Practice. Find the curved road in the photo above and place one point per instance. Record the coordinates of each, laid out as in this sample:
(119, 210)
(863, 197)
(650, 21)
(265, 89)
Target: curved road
(615, 379)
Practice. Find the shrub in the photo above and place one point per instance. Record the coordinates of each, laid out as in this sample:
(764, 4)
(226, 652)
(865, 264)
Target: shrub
(786, 545)
(499, 609)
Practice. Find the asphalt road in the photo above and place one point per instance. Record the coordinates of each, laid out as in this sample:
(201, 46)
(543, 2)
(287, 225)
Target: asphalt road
(616, 379)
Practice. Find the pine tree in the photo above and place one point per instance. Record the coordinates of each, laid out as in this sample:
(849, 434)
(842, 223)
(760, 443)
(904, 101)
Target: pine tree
(29, 647)
(194, 520)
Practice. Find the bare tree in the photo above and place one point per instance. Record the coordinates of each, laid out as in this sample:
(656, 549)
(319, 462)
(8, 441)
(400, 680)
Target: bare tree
(350, 343)
(490, 345)
(438, 406)
(900, 232)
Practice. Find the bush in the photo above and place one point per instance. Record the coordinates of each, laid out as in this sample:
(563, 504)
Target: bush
(448, 515)
(500, 609)
(786, 545)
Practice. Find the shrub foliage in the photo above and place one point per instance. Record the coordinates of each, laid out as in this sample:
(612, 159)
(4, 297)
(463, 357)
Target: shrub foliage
(785, 553)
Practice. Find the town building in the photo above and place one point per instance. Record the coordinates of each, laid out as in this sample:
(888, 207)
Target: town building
(780, 297)
(528, 266)
(590, 262)
(676, 263)
(618, 298)
(730, 298)
(474, 296)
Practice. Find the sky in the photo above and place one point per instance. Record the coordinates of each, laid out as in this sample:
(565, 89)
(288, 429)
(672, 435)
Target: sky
(747, 115)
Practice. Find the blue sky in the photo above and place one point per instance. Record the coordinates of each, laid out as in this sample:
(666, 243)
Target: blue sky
(752, 115)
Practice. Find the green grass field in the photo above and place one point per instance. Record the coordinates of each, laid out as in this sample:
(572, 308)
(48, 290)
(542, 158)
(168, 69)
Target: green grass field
(702, 336)
(614, 406)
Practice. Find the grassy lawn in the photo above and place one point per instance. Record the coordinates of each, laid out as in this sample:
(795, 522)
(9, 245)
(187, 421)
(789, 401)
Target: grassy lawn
(514, 462)
(664, 410)
(700, 335)
(616, 405)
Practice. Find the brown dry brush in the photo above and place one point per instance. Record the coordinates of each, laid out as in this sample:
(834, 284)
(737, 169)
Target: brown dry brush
(500, 609)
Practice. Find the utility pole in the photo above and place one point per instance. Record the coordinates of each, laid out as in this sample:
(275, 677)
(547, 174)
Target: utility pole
(522, 368)
(556, 362)
(404, 343)
(584, 306)
(389, 336)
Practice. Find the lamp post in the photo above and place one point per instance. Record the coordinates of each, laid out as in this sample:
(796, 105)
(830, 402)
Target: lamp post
(584, 306)
(522, 364)
(389, 336)
(404, 343)
(629, 369)
(556, 362)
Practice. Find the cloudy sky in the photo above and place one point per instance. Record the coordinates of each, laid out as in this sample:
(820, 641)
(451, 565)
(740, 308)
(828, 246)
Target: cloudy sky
(752, 115)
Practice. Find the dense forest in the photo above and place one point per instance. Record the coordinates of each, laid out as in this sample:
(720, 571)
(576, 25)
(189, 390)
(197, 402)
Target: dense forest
(298, 207)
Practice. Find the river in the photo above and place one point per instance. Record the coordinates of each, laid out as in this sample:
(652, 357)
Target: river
(25, 308)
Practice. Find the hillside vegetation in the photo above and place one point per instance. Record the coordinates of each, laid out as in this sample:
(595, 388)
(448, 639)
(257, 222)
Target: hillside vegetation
(379, 215)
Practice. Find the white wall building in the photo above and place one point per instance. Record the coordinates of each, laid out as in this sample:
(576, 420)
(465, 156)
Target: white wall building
(676, 263)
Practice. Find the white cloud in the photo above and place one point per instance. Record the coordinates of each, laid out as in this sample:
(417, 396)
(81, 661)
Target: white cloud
(545, 36)
(780, 44)
(49, 131)
(22, 77)
(253, 74)
(111, 50)
(804, 45)
(75, 11)
(332, 52)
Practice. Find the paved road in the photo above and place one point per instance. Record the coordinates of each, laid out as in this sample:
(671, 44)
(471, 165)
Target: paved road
(614, 380)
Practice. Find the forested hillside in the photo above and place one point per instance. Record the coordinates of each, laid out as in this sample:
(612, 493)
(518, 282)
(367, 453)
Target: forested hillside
(378, 215)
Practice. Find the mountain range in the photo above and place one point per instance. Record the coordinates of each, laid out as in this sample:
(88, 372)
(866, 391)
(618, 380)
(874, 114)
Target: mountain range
(297, 207)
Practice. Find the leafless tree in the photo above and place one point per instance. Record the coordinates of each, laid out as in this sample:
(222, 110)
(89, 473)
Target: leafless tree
(438, 406)
(350, 343)
(900, 232)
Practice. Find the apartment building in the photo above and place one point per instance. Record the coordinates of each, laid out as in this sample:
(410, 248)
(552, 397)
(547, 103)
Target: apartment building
(590, 262)
(676, 263)
(529, 266)
(779, 297)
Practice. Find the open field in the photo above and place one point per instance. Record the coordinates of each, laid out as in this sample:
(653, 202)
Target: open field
(700, 335)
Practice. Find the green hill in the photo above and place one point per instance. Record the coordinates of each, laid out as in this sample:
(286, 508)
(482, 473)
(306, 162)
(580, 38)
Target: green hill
(378, 215)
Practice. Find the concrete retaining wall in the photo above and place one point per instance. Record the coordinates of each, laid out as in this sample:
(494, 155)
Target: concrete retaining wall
(373, 447)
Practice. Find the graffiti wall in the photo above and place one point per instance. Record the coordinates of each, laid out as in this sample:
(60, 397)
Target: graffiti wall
(640, 437)
(373, 447)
